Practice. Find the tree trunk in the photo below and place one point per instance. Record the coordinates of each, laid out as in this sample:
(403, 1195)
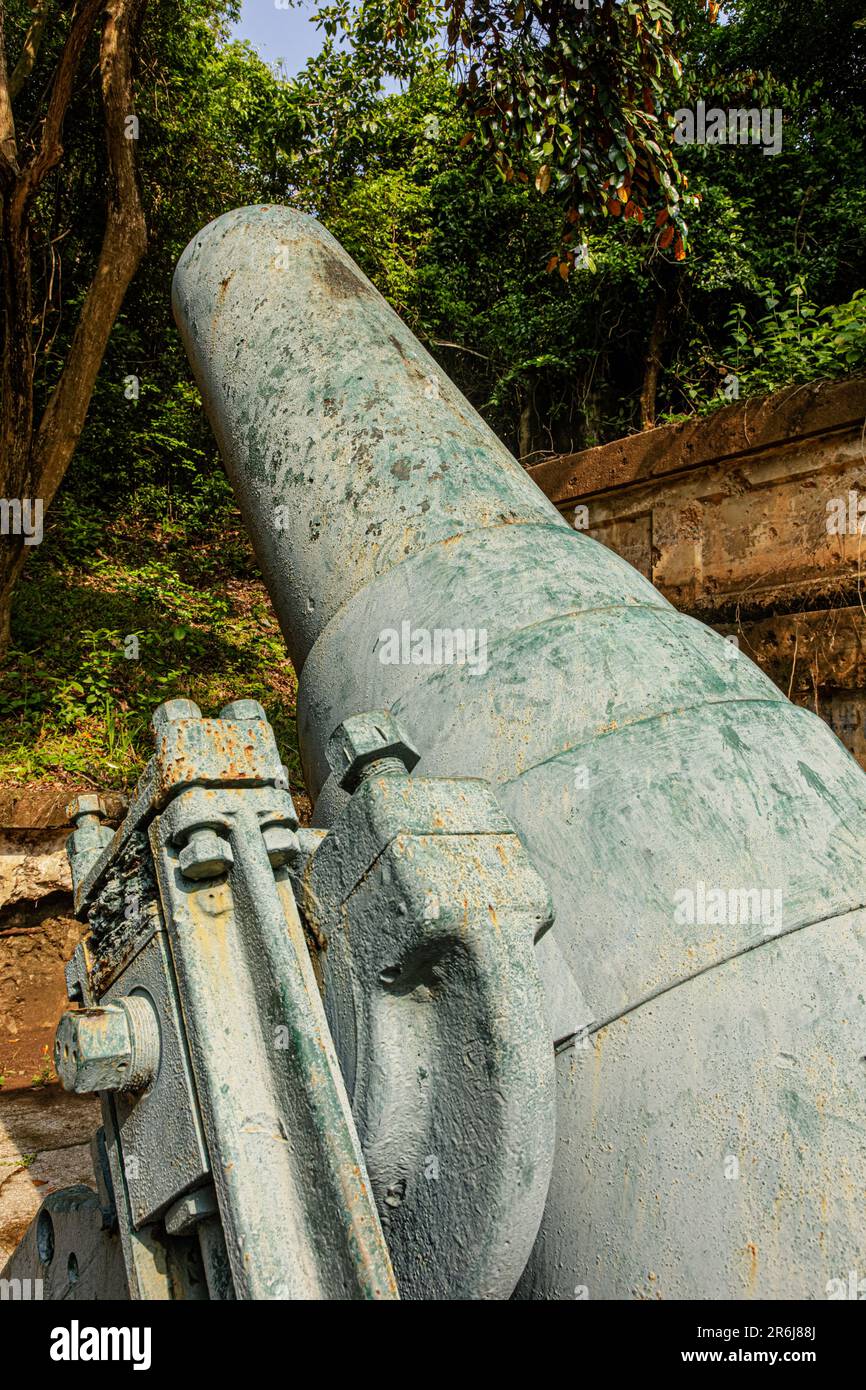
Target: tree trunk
(652, 360)
(33, 459)
(5, 618)
(524, 430)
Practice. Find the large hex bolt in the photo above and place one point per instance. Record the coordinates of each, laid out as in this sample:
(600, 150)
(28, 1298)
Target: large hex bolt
(90, 836)
(206, 854)
(86, 808)
(369, 745)
(281, 844)
(114, 1047)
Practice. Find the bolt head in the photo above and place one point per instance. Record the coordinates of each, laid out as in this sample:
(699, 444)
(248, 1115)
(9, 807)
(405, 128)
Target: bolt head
(87, 804)
(207, 855)
(243, 710)
(93, 1050)
(189, 1210)
(281, 843)
(363, 739)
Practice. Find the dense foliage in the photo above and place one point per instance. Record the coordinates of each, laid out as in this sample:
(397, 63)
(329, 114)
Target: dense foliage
(768, 291)
(372, 138)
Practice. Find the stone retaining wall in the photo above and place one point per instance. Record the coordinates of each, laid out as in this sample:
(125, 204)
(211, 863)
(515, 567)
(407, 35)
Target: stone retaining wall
(732, 517)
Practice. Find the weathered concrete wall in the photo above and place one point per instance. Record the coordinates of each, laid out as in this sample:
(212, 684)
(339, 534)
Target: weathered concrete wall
(736, 519)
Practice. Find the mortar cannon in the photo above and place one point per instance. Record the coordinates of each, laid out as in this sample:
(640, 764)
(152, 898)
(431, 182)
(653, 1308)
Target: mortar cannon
(579, 926)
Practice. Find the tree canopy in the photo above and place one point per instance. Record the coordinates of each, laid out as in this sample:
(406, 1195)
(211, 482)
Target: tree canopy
(564, 320)
(571, 306)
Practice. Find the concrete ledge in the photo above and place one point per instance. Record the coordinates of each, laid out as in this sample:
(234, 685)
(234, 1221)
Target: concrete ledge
(44, 807)
(730, 517)
(747, 427)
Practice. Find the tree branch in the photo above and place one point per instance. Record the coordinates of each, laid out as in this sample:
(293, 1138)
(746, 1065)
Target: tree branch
(20, 186)
(30, 51)
(458, 347)
(123, 246)
(50, 147)
(8, 143)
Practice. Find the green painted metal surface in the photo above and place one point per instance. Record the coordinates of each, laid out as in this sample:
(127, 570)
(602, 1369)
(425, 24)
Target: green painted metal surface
(233, 1162)
(429, 910)
(703, 838)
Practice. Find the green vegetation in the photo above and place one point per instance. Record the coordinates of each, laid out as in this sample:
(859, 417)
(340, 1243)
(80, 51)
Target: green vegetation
(565, 318)
(116, 617)
(43, 1077)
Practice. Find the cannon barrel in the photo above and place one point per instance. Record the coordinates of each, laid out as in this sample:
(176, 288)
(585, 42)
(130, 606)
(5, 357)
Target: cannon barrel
(702, 837)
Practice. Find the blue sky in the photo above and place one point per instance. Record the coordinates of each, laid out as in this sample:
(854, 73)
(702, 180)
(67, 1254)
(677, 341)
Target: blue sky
(280, 33)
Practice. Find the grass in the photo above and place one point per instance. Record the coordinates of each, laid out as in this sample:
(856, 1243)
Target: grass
(115, 614)
(46, 1074)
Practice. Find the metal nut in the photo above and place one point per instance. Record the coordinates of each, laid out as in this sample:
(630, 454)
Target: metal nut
(189, 1210)
(367, 739)
(90, 836)
(281, 843)
(88, 804)
(205, 855)
(114, 1047)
